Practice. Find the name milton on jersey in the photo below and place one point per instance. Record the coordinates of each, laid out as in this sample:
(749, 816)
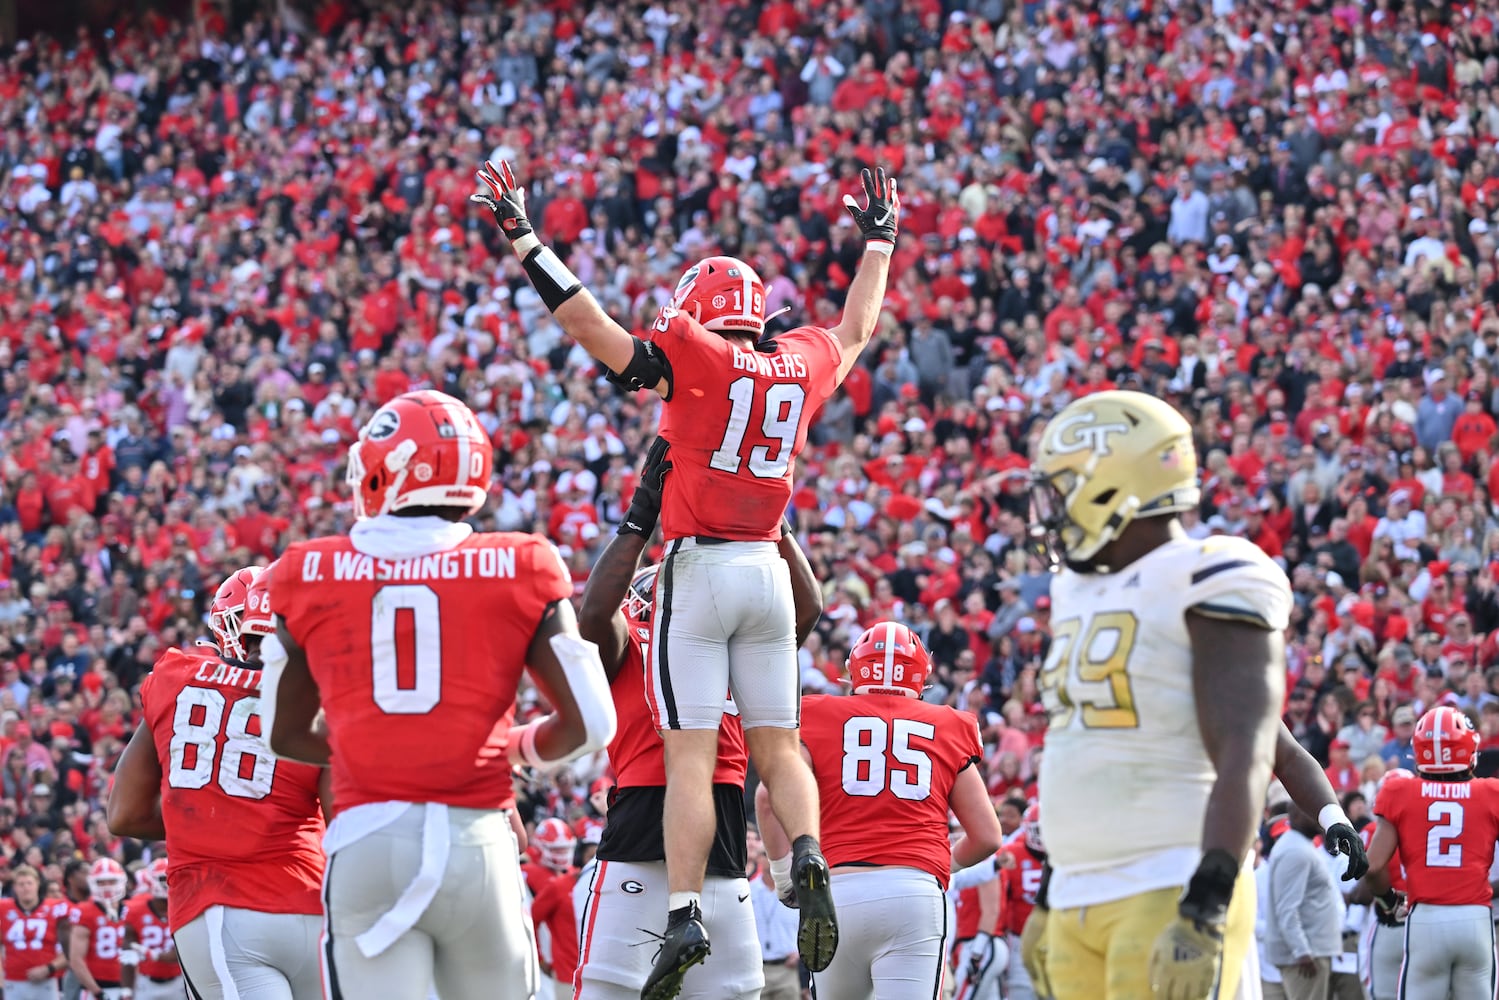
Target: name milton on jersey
(789, 366)
(477, 563)
(1446, 790)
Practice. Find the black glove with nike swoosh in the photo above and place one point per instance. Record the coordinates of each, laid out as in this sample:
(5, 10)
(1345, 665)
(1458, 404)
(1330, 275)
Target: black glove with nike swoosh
(879, 219)
(645, 502)
(1344, 839)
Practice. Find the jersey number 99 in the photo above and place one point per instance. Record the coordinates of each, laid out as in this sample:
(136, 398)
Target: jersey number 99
(1092, 674)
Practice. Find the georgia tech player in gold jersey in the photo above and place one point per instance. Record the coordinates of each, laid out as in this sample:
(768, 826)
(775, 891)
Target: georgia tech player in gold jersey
(1163, 686)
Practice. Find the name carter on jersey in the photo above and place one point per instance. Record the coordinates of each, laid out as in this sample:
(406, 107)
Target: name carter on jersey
(790, 366)
(227, 674)
(468, 563)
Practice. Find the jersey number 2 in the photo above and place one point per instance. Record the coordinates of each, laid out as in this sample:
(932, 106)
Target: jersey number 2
(195, 744)
(1442, 848)
(869, 740)
(783, 417)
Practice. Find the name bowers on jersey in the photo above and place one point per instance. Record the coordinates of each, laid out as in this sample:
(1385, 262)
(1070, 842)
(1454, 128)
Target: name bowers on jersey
(468, 563)
(773, 365)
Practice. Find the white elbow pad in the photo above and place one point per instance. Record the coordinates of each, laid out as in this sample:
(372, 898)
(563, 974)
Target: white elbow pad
(130, 956)
(272, 663)
(584, 671)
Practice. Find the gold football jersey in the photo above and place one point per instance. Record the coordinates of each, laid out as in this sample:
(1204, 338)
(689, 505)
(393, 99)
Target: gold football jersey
(1125, 777)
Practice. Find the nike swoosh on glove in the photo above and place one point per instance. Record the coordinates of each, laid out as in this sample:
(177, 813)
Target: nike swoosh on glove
(879, 219)
(1186, 960)
(1345, 840)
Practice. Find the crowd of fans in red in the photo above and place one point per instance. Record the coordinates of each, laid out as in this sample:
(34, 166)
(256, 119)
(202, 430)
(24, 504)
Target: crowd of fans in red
(224, 245)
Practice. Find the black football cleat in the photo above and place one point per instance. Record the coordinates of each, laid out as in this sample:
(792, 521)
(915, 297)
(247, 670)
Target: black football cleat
(817, 932)
(684, 945)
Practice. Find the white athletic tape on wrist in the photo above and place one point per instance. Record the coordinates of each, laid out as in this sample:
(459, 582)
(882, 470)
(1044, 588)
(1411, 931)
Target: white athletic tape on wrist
(780, 871)
(1332, 814)
(584, 671)
(880, 247)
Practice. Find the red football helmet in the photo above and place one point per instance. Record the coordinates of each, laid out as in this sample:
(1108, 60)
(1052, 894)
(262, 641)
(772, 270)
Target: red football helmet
(107, 882)
(889, 659)
(227, 607)
(1445, 742)
(556, 841)
(154, 878)
(257, 619)
(641, 595)
(724, 294)
(1031, 824)
(421, 449)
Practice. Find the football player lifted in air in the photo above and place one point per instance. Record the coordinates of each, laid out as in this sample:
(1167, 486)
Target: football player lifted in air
(398, 653)
(738, 405)
(621, 905)
(1163, 686)
(244, 831)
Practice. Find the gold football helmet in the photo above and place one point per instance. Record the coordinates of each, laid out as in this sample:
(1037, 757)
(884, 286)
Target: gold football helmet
(1105, 460)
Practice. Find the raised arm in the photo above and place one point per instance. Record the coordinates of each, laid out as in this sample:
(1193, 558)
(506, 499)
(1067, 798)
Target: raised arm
(879, 221)
(634, 362)
(806, 592)
(134, 806)
(600, 620)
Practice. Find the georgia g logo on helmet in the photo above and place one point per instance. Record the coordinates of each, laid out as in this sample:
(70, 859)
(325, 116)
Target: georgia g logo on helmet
(383, 424)
(1082, 432)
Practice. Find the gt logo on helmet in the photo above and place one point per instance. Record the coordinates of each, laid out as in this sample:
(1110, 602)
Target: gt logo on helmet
(1082, 432)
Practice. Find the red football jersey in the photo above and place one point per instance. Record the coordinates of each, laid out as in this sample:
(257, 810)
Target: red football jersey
(636, 752)
(1395, 868)
(29, 937)
(966, 912)
(736, 420)
(1446, 831)
(154, 934)
(553, 909)
(1018, 886)
(244, 829)
(537, 875)
(106, 937)
(418, 660)
(885, 767)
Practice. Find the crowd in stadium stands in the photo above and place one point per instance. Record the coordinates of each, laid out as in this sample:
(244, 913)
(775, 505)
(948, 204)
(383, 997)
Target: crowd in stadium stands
(223, 245)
